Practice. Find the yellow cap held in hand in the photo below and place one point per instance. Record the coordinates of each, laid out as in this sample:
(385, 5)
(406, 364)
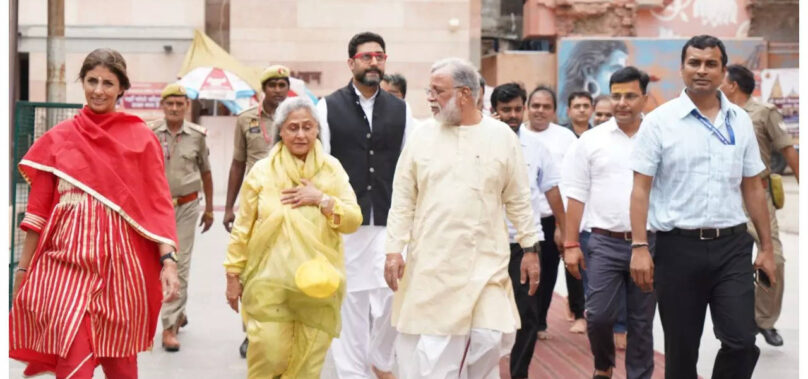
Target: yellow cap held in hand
(173, 89)
(317, 278)
(275, 72)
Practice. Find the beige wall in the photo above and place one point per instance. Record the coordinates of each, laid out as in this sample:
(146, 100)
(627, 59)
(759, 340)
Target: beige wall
(118, 12)
(313, 35)
(530, 68)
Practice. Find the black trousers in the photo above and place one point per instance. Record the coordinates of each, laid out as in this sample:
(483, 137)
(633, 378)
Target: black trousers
(525, 342)
(549, 259)
(691, 274)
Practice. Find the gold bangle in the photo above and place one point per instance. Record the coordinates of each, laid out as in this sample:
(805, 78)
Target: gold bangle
(209, 214)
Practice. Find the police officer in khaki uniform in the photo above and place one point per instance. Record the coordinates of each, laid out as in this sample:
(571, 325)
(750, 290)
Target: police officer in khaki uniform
(252, 140)
(738, 86)
(188, 172)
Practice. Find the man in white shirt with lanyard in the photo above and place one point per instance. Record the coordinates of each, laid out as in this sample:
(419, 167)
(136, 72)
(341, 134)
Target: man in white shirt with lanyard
(697, 158)
(597, 175)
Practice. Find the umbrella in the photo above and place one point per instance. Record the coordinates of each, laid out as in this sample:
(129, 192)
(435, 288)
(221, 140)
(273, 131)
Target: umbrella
(215, 84)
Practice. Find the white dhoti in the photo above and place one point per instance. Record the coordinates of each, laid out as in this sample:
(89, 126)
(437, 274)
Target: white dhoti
(473, 356)
(367, 337)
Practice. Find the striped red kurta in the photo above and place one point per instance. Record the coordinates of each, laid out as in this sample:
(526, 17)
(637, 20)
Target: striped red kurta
(86, 264)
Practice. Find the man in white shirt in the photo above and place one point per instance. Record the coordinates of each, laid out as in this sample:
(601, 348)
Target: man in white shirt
(597, 176)
(696, 163)
(508, 102)
(365, 128)
(454, 306)
(558, 139)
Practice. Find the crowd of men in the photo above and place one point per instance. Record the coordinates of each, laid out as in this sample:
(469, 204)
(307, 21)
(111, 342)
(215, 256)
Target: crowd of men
(467, 216)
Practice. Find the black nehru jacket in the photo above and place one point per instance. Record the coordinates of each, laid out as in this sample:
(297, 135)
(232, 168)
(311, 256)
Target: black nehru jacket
(368, 156)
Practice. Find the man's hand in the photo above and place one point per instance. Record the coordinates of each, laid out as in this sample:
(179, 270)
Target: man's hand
(573, 257)
(393, 270)
(642, 268)
(229, 218)
(206, 220)
(233, 293)
(530, 270)
(170, 281)
(559, 240)
(765, 261)
(305, 194)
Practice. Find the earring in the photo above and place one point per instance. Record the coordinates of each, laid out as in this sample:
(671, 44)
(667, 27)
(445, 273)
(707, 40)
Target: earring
(591, 86)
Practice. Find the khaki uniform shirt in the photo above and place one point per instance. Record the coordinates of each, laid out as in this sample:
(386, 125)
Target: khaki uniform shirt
(450, 187)
(249, 143)
(769, 129)
(186, 156)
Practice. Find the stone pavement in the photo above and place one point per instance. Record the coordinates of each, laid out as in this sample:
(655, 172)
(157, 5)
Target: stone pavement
(211, 339)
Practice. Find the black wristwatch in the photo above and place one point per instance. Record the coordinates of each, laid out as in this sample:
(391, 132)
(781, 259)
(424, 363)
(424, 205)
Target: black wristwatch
(172, 255)
(532, 249)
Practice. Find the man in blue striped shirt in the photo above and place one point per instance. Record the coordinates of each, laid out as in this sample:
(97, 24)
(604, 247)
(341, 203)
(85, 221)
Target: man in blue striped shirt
(697, 158)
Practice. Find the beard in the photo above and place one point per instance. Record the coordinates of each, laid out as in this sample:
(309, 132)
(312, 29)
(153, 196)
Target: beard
(449, 115)
(362, 77)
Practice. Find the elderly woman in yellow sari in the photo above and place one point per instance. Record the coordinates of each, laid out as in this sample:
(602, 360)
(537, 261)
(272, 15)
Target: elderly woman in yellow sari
(285, 258)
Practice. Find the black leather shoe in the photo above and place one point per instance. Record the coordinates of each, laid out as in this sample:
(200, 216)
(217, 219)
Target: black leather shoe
(243, 348)
(771, 336)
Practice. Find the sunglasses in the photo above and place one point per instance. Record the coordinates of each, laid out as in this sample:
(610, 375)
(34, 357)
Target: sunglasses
(367, 57)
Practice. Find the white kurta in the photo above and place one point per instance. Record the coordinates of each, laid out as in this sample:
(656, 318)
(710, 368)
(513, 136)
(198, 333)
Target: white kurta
(450, 186)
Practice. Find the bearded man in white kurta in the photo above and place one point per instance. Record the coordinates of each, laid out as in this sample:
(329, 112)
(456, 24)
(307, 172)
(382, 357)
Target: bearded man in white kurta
(454, 306)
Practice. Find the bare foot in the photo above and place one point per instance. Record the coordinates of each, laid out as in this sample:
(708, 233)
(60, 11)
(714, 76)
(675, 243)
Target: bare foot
(620, 341)
(543, 335)
(570, 316)
(578, 326)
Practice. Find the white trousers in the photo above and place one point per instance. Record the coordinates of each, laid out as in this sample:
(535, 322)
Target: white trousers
(473, 356)
(367, 337)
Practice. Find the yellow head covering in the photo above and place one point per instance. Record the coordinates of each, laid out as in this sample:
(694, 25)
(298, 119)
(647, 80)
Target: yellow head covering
(173, 89)
(274, 72)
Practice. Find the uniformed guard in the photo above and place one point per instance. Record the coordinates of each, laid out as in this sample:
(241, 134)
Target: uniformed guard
(188, 172)
(738, 85)
(253, 139)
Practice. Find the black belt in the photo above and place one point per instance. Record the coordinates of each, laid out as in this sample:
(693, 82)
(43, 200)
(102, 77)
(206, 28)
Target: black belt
(621, 235)
(709, 233)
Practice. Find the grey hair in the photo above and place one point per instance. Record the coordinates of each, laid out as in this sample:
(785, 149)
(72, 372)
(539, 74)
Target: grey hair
(288, 106)
(464, 74)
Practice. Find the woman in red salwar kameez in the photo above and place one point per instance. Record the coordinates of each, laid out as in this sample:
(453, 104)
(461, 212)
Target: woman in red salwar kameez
(100, 238)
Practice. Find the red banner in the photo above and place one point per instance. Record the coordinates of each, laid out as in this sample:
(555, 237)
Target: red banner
(143, 96)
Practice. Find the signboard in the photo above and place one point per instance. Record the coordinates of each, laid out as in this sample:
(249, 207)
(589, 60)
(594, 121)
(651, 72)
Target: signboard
(781, 87)
(143, 96)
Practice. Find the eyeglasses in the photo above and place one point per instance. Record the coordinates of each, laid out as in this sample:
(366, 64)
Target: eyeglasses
(367, 57)
(437, 92)
(616, 97)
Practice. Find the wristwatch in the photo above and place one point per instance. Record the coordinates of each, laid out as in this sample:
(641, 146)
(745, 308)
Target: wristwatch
(532, 249)
(171, 255)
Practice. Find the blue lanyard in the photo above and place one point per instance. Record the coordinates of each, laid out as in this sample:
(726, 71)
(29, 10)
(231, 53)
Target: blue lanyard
(714, 130)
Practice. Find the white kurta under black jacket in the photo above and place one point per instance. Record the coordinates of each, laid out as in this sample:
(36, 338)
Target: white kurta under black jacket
(450, 187)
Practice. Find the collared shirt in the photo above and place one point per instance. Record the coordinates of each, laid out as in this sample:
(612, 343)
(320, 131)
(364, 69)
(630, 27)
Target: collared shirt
(697, 178)
(364, 253)
(769, 129)
(249, 142)
(557, 139)
(597, 172)
(186, 156)
(572, 129)
(542, 175)
(450, 187)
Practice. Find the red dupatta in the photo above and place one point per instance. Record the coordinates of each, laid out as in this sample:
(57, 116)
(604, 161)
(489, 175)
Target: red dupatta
(115, 158)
